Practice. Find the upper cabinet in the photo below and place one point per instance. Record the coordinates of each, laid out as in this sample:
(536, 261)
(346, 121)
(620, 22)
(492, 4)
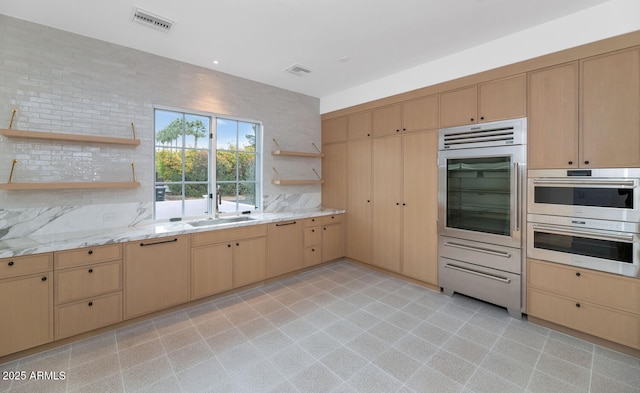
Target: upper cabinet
(610, 112)
(585, 114)
(334, 130)
(415, 115)
(359, 125)
(495, 100)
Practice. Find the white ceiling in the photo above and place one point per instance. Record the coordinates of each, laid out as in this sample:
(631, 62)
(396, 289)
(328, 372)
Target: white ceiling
(258, 39)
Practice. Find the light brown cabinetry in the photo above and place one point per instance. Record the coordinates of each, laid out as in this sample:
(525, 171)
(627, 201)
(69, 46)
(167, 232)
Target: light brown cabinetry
(601, 304)
(359, 125)
(387, 202)
(156, 274)
(227, 258)
(420, 206)
(585, 114)
(312, 242)
(285, 247)
(88, 289)
(26, 299)
(332, 237)
(334, 189)
(490, 101)
(334, 130)
(408, 116)
(359, 200)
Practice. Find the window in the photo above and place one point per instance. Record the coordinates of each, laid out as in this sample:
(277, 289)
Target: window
(185, 157)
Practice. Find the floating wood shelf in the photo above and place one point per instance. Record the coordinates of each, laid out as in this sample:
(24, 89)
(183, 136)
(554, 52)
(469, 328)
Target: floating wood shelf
(295, 153)
(72, 185)
(294, 182)
(69, 137)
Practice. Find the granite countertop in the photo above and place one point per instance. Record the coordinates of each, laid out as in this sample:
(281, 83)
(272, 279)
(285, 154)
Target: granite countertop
(67, 241)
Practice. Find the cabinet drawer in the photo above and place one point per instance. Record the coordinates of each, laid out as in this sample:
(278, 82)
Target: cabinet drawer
(20, 266)
(311, 222)
(601, 288)
(92, 280)
(332, 219)
(617, 326)
(227, 235)
(86, 256)
(87, 315)
(311, 256)
(312, 237)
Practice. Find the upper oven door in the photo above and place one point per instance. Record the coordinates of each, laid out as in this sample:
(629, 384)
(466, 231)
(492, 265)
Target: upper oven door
(480, 194)
(607, 194)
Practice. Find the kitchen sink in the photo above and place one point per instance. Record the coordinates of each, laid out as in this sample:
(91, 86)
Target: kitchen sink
(218, 221)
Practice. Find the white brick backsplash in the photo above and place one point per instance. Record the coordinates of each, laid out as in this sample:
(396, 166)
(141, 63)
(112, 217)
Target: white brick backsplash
(63, 82)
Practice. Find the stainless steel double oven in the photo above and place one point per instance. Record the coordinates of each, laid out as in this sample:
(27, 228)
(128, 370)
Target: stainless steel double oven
(481, 211)
(588, 218)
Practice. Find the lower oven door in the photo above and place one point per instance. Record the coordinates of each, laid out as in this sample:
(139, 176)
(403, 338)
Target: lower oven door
(485, 271)
(609, 251)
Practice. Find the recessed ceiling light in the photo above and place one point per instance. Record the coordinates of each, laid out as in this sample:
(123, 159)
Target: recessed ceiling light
(344, 59)
(216, 62)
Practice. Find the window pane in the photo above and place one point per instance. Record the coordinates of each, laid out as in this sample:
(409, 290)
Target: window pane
(246, 166)
(229, 192)
(169, 127)
(168, 164)
(197, 130)
(195, 199)
(247, 196)
(170, 204)
(196, 165)
(225, 166)
(226, 134)
(247, 136)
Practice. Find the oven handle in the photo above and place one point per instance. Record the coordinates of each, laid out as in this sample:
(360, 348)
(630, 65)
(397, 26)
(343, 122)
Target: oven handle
(591, 234)
(516, 195)
(479, 249)
(477, 273)
(586, 182)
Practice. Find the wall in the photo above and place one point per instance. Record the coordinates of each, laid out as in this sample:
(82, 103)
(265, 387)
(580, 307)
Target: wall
(63, 82)
(613, 18)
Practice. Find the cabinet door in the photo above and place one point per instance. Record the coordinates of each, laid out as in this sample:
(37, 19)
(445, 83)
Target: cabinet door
(249, 261)
(420, 237)
(285, 247)
(332, 242)
(156, 274)
(334, 188)
(211, 270)
(334, 130)
(387, 120)
(610, 115)
(420, 114)
(387, 207)
(458, 107)
(552, 129)
(359, 201)
(90, 314)
(27, 312)
(502, 99)
(359, 125)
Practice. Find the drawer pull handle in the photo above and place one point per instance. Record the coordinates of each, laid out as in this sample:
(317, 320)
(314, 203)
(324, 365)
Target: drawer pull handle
(160, 242)
(44, 278)
(505, 280)
(90, 270)
(313, 250)
(287, 223)
(10, 263)
(577, 274)
(479, 249)
(90, 304)
(228, 245)
(578, 305)
(90, 252)
(237, 244)
(313, 230)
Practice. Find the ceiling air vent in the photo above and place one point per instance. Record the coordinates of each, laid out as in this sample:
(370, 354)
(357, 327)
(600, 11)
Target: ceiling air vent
(298, 69)
(151, 20)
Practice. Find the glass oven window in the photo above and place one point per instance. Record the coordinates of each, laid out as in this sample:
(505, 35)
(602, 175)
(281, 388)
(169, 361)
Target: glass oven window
(479, 194)
(585, 196)
(605, 249)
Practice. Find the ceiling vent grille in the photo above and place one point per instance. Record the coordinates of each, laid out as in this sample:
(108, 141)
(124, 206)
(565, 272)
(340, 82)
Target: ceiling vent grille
(151, 20)
(298, 69)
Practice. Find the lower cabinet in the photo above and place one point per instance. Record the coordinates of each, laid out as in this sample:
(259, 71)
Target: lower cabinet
(312, 242)
(600, 304)
(88, 289)
(156, 274)
(225, 259)
(26, 299)
(333, 245)
(285, 247)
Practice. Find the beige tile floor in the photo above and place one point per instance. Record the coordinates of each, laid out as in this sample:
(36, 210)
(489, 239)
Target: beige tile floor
(338, 328)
